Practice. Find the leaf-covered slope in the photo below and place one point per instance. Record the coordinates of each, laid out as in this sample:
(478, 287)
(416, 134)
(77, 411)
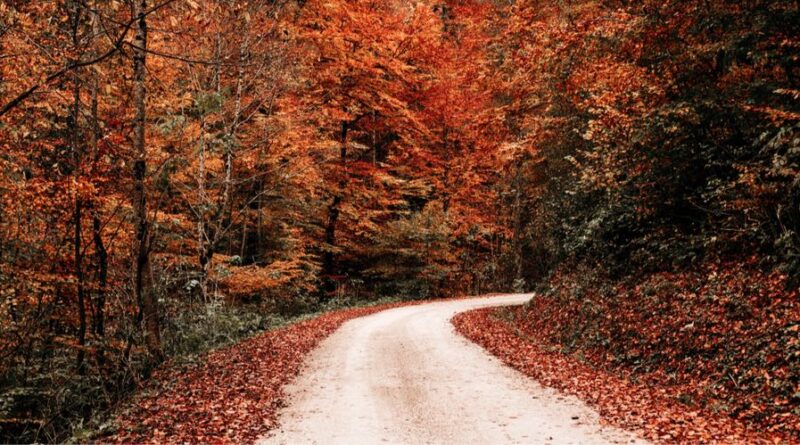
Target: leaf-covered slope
(650, 411)
(233, 394)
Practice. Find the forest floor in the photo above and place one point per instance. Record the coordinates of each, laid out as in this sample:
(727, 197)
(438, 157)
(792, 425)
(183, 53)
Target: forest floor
(405, 376)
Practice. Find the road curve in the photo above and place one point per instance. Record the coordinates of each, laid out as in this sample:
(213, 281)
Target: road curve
(403, 376)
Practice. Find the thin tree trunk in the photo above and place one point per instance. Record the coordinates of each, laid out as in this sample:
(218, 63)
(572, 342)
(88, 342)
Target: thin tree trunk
(101, 253)
(202, 234)
(77, 214)
(210, 232)
(77, 244)
(102, 278)
(204, 257)
(243, 246)
(207, 241)
(518, 237)
(142, 278)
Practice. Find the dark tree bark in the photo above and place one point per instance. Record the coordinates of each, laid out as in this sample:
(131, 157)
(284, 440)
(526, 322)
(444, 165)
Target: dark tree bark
(101, 254)
(143, 290)
(329, 259)
(77, 211)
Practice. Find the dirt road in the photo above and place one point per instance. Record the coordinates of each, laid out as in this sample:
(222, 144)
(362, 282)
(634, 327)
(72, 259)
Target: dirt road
(404, 376)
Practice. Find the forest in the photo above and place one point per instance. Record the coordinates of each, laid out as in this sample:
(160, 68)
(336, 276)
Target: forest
(179, 175)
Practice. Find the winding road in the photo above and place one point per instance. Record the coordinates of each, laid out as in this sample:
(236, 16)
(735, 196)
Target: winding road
(404, 376)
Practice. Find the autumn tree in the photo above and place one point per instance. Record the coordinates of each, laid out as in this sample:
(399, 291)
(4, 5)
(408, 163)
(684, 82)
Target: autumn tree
(364, 72)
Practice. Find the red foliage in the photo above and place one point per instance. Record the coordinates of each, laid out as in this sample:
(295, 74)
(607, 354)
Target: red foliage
(648, 410)
(233, 394)
(723, 337)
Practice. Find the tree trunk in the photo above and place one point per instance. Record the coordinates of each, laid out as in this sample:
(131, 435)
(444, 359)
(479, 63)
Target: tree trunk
(518, 235)
(77, 213)
(205, 256)
(101, 253)
(328, 260)
(102, 278)
(142, 277)
(202, 233)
